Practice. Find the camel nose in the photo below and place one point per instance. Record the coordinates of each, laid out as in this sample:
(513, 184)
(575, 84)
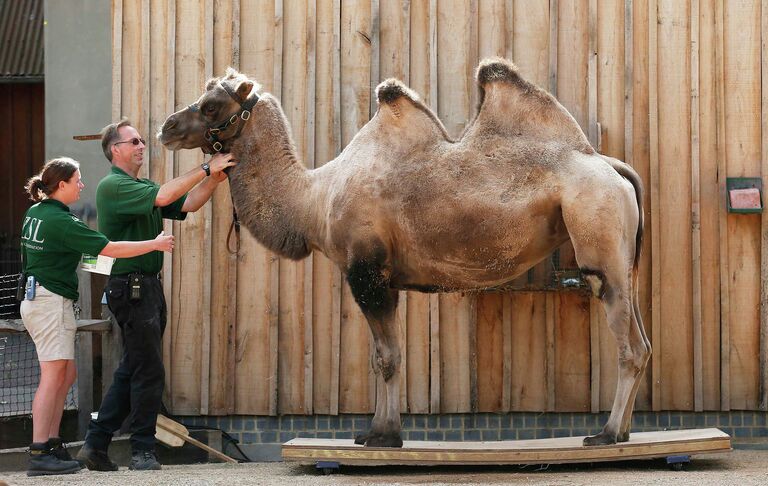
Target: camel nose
(170, 123)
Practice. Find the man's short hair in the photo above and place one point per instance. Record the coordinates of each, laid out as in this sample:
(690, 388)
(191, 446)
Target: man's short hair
(110, 135)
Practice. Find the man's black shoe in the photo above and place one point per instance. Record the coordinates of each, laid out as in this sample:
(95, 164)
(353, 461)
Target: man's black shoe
(95, 460)
(42, 462)
(144, 461)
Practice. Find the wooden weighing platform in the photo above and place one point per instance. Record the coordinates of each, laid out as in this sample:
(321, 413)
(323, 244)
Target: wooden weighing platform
(675, 445)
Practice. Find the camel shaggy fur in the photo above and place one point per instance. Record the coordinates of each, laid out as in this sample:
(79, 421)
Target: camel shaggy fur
(404, 206)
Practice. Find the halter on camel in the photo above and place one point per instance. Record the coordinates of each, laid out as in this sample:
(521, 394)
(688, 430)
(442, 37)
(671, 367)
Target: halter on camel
(212, 137)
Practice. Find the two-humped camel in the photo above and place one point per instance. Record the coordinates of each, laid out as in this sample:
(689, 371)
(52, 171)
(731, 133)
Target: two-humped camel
(406, 207)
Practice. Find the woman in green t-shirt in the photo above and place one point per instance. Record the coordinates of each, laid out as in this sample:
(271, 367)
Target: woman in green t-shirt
(52, 243)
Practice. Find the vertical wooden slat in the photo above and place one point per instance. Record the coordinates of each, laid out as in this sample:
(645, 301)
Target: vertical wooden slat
(709, 198)
(418, 315)
(674, 120)
(592, 124)
(725, 336)
(435, 369)
(337, 281)
(764, 218)
(434, 299)
(309, 161)
(653, 105)
(226, 32)
(529, 352)
(698, 377)
(576, 82)
(488, 374)
(394, 61)
(742, 156)
(205, 352)
(506, 357)
(596, 383)
(492, 18)
(490, 352)
(162, 70)
(535, 52)
(454, 32)
(641, 161)
(117, 58)
(550, 315)
(608, 107)
(628, 73)
(554, 16)
(356, 381)
(572, 373)
(326, 278)
(275, 282)
(257, 273)
(191, 318)
(529, 45)
(295, 322)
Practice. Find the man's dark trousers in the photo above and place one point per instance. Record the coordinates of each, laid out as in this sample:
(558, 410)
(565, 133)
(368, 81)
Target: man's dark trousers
(137, 387)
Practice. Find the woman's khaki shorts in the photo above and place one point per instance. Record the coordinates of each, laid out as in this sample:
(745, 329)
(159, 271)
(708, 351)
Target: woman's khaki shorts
(50, 321)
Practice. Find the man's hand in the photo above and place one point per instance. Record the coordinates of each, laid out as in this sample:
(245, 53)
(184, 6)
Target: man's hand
(164, 242)
(218, 163)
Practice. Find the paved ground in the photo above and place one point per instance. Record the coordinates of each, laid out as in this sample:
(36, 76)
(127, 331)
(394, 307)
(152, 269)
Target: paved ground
(739, 467)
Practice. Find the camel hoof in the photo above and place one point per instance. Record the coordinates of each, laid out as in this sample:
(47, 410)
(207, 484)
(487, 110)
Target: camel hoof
(361, 439)
(623, 437)
(602, 438)
(388, 440)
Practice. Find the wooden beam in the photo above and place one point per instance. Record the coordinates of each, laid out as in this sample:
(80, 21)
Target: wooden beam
(117, 57)
(653, 105)
(83, 325)
(628, 83)
(764, 216)
(506, 336)
(592, 124)
(722, 165)
(594, 349)
(698, 376)
(553, 17)
(434, 353)
(551, 364)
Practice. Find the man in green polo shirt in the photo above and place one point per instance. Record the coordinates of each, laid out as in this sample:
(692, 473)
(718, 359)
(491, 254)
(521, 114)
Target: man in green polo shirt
(130, 208)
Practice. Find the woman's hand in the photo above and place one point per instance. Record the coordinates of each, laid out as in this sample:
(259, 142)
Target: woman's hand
(164, 242)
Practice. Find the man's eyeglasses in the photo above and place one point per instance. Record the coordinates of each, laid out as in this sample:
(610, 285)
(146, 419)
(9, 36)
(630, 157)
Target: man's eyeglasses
(134, 141)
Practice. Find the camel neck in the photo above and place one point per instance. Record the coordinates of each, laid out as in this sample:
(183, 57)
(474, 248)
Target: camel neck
(270, 184)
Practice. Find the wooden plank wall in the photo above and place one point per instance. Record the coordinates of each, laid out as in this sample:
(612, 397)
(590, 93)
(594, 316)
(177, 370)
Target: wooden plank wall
(675, 88)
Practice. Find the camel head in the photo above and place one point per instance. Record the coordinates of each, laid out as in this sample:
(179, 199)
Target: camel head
(215, 119)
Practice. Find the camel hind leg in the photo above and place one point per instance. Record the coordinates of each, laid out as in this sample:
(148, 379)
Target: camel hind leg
(633, 354)
(369, 285)
(603, 237)
(637, 326)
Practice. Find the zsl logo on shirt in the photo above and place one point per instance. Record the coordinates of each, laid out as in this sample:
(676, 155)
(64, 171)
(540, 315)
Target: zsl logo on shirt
(29, 231)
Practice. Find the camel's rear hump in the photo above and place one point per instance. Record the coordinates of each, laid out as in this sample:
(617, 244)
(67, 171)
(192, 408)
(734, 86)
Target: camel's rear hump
(513, 106)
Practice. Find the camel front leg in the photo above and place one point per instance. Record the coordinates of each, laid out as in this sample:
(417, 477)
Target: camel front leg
(378, 303)
(385, 429)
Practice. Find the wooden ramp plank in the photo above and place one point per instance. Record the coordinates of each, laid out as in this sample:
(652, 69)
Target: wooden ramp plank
(642, 445)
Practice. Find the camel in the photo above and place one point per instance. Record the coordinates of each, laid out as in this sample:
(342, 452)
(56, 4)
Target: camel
(406, 207)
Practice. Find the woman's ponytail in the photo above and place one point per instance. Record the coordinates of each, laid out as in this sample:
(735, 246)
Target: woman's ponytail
(47, 181)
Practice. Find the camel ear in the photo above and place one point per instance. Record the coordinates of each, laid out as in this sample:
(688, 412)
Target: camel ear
(244, 89)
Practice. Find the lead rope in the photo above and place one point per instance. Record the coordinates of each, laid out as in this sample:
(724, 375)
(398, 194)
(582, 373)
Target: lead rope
(233, 228)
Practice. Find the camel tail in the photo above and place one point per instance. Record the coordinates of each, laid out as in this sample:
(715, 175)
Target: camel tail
(629, 173)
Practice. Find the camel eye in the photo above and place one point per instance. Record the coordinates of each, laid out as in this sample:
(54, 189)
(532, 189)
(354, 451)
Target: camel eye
(209, 109)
